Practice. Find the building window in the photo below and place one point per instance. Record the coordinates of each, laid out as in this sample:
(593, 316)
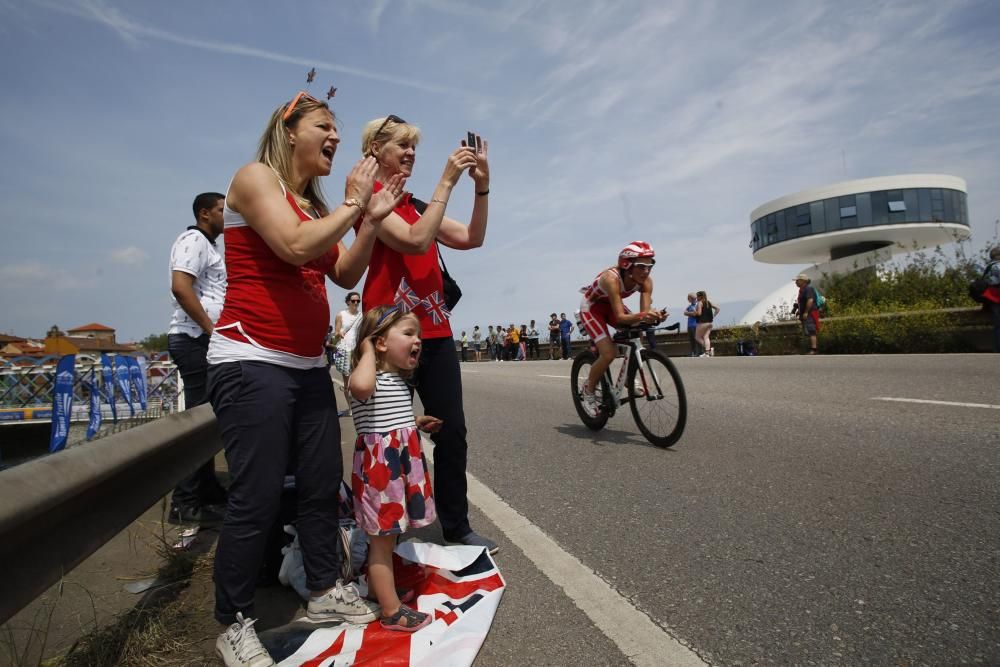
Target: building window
(849, 211)
(897, 206)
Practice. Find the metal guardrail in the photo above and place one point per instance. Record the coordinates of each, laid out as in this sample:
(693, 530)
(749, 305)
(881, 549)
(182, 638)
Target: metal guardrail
(57, 510)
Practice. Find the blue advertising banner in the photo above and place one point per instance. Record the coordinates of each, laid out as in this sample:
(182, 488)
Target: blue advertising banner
(124, 384)
(108, 375)
(95, 406)
(62, 402)
(137, 371)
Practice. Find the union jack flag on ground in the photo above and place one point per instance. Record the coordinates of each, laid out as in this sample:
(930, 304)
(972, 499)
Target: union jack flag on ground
(460, 586)
(434, 305)
(405, 297)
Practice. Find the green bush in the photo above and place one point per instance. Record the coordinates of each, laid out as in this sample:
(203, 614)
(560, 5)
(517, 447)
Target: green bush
(919, 281)
(917, 330)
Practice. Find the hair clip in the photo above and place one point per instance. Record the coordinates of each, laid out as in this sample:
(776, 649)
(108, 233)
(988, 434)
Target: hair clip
(386, 314)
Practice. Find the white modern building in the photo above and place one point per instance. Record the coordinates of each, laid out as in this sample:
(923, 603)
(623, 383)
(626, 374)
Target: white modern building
(854, 224)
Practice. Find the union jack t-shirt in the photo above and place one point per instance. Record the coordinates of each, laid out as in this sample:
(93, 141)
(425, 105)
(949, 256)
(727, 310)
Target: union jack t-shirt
(420, 276)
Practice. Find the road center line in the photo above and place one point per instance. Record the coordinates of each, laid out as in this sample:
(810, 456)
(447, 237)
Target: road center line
(561, 377)
(645, 643)
(920, 400)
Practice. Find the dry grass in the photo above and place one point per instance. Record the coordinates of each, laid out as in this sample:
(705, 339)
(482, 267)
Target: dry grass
(168, 628)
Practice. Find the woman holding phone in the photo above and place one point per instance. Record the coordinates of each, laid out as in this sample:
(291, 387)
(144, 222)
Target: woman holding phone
(405, 270)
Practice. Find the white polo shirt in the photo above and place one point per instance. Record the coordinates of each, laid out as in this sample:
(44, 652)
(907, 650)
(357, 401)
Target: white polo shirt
(194, 254)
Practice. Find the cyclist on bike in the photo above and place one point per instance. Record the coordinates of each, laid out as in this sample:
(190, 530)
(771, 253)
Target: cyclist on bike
(602, 305)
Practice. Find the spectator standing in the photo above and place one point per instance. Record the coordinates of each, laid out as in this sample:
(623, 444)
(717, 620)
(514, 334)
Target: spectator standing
(553, 336)
(533, 340)
(491, 341)
(514, 344)
(705, 313)
(502, 343)
(407, 250)
(465, 347)
(477, 342)
(345, 331)
(267, 378)
(692, 325)
(565, 331)
(522, 349)
(992, 294)
(807, 310)
(198, 285)
(392, 492)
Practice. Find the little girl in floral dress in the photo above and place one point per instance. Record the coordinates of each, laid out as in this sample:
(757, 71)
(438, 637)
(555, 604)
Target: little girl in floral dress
(392, 489)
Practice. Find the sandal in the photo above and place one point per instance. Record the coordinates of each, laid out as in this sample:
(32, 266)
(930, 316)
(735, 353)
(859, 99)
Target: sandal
(406, 620)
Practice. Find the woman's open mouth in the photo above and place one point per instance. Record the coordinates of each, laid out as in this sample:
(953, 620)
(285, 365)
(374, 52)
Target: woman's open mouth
(328, 152)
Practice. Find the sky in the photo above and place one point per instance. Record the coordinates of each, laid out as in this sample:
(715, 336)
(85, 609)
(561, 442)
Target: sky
(607, 122)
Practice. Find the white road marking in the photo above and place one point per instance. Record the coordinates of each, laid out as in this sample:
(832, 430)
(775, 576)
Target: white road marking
(466, 370)
(645, 643)
(919, 400)
(561, 377)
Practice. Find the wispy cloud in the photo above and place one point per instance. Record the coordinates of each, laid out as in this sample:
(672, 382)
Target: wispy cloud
(131, 31)
(129, 256)
(36, 275)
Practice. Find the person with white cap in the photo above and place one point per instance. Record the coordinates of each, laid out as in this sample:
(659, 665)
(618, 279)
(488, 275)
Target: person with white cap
(807, 310)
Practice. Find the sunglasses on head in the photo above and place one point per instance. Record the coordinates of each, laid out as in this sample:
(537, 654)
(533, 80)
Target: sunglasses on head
(394, 118)
(295, 100)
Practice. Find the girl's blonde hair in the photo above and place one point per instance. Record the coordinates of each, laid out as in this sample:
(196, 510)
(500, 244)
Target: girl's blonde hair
(275, 150)
(377, 322)
(382, 130)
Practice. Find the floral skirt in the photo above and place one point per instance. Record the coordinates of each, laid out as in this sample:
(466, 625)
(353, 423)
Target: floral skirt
(391, 486)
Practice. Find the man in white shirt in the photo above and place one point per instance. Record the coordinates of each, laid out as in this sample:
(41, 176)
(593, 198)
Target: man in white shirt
(198, 284)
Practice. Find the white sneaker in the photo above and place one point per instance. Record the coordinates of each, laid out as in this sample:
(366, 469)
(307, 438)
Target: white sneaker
(590, 404)
(239, 645)
(343, 603)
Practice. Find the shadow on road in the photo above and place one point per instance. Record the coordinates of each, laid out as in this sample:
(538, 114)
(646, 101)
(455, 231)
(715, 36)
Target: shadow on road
(605, 436)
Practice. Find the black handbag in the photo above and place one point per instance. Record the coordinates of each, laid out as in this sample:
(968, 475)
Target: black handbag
(452, 292)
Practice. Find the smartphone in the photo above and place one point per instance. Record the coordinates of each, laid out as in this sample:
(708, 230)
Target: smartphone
(470, 141)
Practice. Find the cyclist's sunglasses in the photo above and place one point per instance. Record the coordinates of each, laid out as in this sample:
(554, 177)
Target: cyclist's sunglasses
(295, 100)
(647, 264)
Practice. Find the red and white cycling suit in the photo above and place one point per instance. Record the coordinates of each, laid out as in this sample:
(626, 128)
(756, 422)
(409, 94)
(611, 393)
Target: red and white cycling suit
(595, 308)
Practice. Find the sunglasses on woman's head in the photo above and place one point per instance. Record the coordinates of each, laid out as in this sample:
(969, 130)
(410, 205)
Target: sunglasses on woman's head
(295, 100)
(394, 118)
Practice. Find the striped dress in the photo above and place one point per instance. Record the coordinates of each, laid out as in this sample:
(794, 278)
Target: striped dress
(390, 482)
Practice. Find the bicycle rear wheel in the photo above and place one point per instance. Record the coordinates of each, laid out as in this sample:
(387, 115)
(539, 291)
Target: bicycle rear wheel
(657, 398)
(578, 378)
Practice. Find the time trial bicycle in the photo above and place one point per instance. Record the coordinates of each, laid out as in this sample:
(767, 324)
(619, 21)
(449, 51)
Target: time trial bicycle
(646, 379)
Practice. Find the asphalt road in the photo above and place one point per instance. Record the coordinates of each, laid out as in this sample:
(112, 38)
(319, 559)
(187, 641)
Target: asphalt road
(798, 521)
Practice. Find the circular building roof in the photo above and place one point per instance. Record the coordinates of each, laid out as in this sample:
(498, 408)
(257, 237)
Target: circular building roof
(897, 213)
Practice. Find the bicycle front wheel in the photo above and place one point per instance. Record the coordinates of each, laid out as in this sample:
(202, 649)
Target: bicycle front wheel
(578, 378)
(657, 399)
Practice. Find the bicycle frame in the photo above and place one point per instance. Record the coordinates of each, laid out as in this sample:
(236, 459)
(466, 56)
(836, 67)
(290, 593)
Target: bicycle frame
(626, 351)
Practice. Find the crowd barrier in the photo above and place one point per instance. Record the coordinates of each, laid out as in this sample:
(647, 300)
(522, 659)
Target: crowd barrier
(57, 510)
